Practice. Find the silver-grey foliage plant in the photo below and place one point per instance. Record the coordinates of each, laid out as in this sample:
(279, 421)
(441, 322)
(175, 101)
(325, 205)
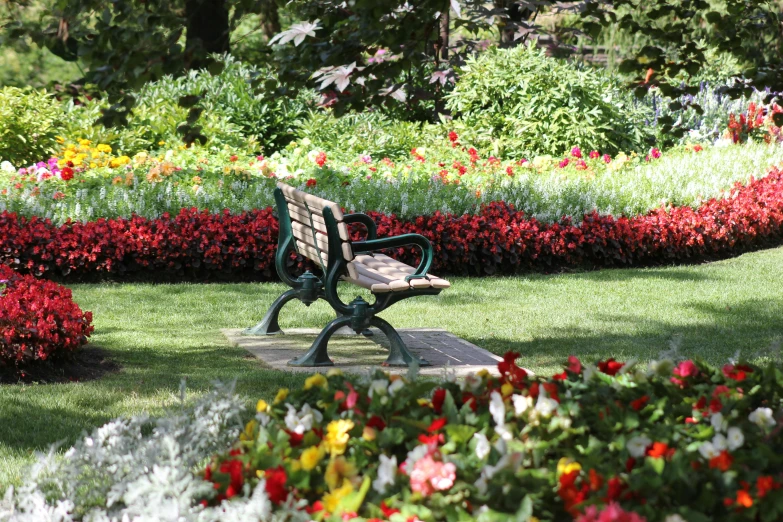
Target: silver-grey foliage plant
(142, 469)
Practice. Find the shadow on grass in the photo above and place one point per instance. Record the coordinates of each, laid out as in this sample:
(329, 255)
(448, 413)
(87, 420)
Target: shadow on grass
(750, 327)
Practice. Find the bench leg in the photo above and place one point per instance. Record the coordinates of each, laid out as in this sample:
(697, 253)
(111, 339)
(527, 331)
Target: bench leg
(398, 352)
(268, 325)
(317, 354)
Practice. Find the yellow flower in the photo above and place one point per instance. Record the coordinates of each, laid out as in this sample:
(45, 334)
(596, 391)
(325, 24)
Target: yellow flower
(161, 143)
(311, 457)
(422, 402)
(316, 380)
(83, 142)
(369, 433)
(93, 165)
(250, 431)
(507, 389)
(338, 471)
(282, 394)
(566, 465)
(337, 437)
(102, 147)
(334, 372)
(262, 406)
(59, 139)
(332, 499)
(68, 155)
(483, 373)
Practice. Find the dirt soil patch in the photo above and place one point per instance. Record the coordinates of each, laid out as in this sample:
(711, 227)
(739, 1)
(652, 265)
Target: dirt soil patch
(87, 364)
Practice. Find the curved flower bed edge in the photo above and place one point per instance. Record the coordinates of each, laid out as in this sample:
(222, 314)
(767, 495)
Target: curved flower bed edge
(198, 245)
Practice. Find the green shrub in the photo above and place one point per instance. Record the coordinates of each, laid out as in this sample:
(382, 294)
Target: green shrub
(242, 107)
(370, 133)
(28, 123)
(520, 102)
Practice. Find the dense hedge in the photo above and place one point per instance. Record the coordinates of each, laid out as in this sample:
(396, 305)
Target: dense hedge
(39, 320)
(500, 240)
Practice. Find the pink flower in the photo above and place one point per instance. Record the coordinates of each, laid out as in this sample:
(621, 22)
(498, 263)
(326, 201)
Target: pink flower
(655, 153)
(430, 475)
(607, 158)
(611, 513)
(564, 163)
(684, 370)
(594, 154)
(576, 152)
(320, 159)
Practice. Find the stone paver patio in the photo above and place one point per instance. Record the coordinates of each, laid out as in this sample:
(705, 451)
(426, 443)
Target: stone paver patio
(358, 354)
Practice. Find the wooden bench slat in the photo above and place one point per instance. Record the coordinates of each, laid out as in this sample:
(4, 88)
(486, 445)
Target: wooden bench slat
(314, 202)
(299, 214)
(305, 234)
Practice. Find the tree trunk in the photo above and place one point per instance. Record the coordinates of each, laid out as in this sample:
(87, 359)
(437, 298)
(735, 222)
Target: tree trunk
(207, 30)
(444, 34)
(270, 18)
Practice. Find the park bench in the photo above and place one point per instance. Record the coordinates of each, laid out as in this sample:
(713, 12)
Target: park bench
(317, 229)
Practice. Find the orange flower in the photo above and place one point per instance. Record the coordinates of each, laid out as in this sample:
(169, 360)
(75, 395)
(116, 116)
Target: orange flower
(722, 461)
(744, 499)
(659, 449)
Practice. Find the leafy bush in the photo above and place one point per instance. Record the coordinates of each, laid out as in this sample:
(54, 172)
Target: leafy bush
(243, 107)
(28, 125)
(38, 320)
(367, 133)
(521, 102)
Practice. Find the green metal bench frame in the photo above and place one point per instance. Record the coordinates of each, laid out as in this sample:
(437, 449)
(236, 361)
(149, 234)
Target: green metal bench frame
(359, 315)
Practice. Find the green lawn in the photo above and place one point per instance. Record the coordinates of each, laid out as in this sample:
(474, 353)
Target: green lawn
(161, 334)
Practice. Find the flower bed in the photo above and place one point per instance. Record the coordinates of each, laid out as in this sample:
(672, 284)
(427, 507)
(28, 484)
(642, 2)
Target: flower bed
(604, 442)
(38, 320)
(611, 441)
(499, 240)
(86, 182)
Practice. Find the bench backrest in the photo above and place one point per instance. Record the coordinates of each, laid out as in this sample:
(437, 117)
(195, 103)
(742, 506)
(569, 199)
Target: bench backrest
(308, 226)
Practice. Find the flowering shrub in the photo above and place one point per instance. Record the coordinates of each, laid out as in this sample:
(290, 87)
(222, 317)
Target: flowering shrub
(499, 239)
(28, 122)
(38, 320)
(672, 442)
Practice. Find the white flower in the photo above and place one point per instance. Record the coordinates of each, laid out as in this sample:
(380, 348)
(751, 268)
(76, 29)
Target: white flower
(718, 422)
(588, 372)
(386, 473)
(521, 404)
(762, 417)
(637, 446)
(414, 455)
(482, 445)
(497, 408)
(674, 518)
(302, 421)
(395, 386)
(7, 167)
(735, 438)
(719, 442)
(708, 451)
(378, 386)
(545, 406)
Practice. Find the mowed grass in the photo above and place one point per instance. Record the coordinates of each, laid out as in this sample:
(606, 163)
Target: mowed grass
(161, 334)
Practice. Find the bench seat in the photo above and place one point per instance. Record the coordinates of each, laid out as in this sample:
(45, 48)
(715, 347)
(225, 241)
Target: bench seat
(380, 273)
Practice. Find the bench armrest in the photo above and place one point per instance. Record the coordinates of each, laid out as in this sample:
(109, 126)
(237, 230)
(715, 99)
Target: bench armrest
(366, 247)
(364, 219)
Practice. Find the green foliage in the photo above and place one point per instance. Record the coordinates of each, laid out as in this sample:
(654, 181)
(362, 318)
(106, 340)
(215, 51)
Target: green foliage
(241, 107)
(365, 133)
(28, 125)
(521, 102)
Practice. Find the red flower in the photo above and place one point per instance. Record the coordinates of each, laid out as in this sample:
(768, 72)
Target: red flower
(581, 165)
(275, 484)
(510, 170)
(610, 366)
(576, 152)
(233, 158)
(387, 511)
(765, 484)
(377, 423)
(437, 400)
(574, 364)
(563, 163)
(594, 154)
(660, 449)
(560, 376)
(509, 371)
(639, 403)
(738, 372)
(320, 159)
(453, 137)
(66, 173)
(437, 424)
(697, 148)
(722, 462)
(311, 182)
